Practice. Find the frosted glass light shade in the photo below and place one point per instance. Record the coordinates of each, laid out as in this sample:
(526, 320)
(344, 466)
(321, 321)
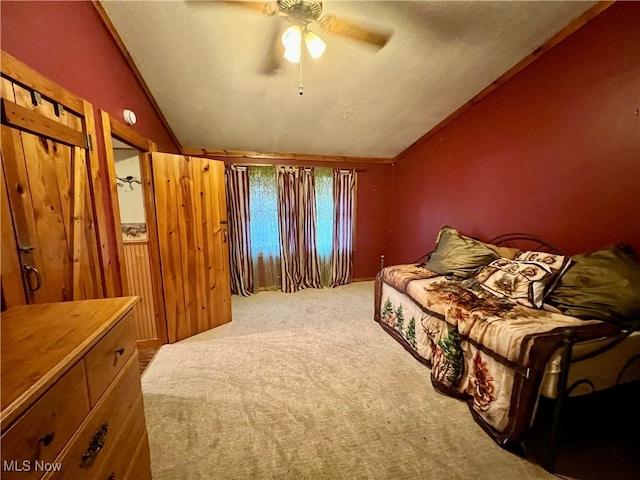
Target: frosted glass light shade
(292, 41)
(315, 45)
(292, 54)
(292, 37)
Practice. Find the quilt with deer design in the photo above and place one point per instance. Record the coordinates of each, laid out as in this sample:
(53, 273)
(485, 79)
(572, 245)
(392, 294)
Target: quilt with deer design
(487, 350)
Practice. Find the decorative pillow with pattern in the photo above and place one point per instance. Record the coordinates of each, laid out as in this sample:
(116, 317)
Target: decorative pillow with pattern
(557, 263)
(522, 282)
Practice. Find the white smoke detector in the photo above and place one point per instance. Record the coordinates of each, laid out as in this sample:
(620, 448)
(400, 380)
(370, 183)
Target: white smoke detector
(129, 117)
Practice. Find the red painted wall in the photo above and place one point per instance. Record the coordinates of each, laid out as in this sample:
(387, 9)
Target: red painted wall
(68, 43)
(554, 151)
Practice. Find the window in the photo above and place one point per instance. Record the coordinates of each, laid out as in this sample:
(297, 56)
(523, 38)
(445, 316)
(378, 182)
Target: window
(264, 228)
(324, 209)
(263, 211)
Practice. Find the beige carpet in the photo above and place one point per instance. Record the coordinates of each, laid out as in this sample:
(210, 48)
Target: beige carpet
(308, 386)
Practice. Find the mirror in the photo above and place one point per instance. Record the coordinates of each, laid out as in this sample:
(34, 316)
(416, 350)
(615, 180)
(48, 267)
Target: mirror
(133, 220)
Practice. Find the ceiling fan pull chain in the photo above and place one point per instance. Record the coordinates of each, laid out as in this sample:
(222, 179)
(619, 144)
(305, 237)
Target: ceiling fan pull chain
(300, 86)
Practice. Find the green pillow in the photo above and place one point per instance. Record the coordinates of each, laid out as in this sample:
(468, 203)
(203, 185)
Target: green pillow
(602, 285)
(456, 254)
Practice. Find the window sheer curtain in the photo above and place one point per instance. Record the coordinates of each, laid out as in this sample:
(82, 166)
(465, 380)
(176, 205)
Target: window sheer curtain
(237, 180)
(297, 220)
(344, 187)
(324, 211)
(265, 242)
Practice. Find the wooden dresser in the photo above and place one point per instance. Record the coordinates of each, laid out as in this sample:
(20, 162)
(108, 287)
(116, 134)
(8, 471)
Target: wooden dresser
(71, 402)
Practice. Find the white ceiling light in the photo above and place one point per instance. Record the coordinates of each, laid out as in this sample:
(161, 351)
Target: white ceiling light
(292, 55)
(315, 45)
(292, 41)
(291, 37)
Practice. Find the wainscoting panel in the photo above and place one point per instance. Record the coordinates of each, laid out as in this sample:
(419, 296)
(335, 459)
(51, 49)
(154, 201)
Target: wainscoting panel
(136, 257)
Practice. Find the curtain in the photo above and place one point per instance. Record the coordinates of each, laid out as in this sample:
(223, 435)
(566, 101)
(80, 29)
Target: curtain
(237, 183)
(265, 241)
(344, 186)
(297, 221)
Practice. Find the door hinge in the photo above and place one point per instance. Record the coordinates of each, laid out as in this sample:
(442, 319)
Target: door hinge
(87, 142)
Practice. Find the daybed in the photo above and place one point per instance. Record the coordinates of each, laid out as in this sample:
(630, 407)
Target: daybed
(504, 322)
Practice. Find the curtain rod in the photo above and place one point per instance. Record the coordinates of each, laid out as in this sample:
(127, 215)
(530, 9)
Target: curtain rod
(357, 170)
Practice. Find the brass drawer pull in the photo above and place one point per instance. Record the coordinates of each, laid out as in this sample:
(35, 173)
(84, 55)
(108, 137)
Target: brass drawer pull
(95, 445)
(120, 351)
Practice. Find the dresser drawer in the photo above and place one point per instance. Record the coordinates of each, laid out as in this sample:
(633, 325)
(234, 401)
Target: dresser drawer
(39, 435)
(105, 360)
(140, 468)
(80, 460)
(120, 458)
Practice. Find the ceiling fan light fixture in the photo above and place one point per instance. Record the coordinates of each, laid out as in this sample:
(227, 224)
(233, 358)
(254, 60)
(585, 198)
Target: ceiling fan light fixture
(292, 37)
(292, 54)
(315, 45)
(292, 41)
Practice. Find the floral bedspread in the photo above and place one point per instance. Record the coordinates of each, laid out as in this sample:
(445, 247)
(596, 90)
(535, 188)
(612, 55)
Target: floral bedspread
(490, 351)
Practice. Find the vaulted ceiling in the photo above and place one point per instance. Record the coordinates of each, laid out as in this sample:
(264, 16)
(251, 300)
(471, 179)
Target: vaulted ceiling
(203, 62)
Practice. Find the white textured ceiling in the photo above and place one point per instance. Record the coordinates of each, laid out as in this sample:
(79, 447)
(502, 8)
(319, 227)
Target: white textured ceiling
(202, 62)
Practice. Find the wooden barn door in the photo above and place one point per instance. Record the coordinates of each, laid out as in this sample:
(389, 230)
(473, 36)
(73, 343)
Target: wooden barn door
(192, 231)
(48, 200)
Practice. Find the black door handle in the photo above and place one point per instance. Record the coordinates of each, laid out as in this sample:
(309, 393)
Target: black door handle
(32, 271)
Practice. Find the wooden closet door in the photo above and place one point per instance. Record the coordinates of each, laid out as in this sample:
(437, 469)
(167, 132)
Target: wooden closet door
(192, 232)
(51, 213)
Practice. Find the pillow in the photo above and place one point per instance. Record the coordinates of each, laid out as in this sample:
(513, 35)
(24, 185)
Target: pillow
(557, 263)
(602, 285)
(509, 253)
(523, 282)
(458, 255)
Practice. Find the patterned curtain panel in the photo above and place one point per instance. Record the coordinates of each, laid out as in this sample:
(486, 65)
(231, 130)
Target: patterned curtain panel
(265, 237)
(297, 218)
(237, 180)
(344, 187)
(308, 250)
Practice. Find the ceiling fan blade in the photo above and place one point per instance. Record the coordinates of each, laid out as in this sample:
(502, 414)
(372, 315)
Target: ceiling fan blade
(266, 8)
(273, 59)
(345, 28)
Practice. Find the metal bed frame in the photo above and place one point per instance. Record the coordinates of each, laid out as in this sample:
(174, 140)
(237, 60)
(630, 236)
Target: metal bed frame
(526, 241)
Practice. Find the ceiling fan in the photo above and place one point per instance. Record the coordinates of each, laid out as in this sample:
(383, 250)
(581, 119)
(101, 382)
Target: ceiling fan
(300, 14)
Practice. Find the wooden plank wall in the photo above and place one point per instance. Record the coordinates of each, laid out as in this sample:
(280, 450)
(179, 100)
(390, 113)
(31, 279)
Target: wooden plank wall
(138, 267)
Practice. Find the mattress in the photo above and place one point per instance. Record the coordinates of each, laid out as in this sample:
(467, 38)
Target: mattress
(602, 371)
